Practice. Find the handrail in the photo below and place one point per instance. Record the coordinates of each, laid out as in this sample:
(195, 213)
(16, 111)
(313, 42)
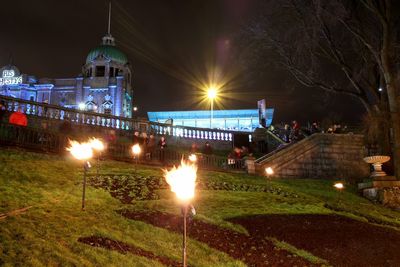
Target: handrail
(110, 121)
(276, 137)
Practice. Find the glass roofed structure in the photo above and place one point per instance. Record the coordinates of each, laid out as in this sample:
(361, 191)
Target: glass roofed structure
(237, 120)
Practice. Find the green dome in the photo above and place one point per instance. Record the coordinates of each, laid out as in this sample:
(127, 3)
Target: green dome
(107, 51)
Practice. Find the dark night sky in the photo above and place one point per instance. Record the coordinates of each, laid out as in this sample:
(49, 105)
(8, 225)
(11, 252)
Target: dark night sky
(172, 45)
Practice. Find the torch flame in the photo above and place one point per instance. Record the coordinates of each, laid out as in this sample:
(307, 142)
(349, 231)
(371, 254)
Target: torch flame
(136, 149)
(81, 151)
(96, 144)
(193, 157)
(182, 180)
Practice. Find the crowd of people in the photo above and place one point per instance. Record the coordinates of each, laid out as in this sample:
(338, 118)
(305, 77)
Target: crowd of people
(294, 132)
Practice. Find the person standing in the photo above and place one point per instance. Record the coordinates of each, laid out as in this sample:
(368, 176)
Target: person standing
(136, 138)
(151, 145)
(162, 144)
(19, 120)
(207, 149)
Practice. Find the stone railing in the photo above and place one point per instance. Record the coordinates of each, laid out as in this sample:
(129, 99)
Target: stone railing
(109, 121)
(46, 141)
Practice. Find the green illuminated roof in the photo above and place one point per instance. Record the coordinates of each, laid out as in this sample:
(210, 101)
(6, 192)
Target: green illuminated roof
(109, 52)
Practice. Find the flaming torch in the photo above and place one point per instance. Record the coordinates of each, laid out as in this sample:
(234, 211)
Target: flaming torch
(182, 181)
(136, 151)
(82, 151)
(97, 145)
(192, 158)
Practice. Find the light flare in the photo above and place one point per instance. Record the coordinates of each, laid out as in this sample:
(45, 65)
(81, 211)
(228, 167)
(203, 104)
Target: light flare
(80, 151)
(182, 180)
(212, 92)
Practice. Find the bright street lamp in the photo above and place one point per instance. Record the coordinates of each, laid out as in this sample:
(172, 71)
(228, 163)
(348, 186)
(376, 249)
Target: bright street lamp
(212, 93)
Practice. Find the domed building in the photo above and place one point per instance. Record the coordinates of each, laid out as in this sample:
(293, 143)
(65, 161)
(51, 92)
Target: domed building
(104, 86)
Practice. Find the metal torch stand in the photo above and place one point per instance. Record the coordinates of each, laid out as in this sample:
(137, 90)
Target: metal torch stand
(184, 214)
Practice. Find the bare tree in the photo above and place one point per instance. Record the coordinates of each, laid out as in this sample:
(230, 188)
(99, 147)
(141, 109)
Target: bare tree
(339, 46)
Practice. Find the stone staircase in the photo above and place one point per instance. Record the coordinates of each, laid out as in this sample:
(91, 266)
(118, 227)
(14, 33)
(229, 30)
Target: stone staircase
(337, 156)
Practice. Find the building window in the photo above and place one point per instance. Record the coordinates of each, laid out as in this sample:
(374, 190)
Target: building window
(100, 71)
(112, 72)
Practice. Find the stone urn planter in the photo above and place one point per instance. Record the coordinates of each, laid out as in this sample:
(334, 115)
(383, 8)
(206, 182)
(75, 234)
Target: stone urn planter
(377, 162)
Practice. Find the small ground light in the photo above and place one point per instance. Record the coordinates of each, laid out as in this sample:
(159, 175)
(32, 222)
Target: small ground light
(269, 171)
(339, 186)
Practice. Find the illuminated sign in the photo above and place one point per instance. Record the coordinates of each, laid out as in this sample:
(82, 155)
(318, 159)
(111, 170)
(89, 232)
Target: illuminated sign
(9, 78)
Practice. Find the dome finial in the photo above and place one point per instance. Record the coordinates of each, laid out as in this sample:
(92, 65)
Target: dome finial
(108, 39)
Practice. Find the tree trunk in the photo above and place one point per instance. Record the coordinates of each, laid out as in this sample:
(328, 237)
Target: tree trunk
(394, 114)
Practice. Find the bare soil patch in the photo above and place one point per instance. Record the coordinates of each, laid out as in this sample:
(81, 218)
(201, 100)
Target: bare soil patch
(254, 250)
(339, 240)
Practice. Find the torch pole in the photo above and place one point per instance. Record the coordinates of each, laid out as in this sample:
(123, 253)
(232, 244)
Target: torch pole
(184, 213)
(84, 185)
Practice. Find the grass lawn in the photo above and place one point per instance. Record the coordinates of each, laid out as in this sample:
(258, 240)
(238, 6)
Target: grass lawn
(46, 234)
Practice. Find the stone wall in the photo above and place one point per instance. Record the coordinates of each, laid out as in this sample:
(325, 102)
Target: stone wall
(336, 156)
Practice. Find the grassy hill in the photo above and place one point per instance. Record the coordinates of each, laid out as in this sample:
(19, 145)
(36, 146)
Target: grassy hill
(46, 233)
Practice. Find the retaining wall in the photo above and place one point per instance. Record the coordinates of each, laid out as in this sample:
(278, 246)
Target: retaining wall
(335, 156)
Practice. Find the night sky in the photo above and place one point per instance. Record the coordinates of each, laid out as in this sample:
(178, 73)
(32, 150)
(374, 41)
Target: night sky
(173, 46)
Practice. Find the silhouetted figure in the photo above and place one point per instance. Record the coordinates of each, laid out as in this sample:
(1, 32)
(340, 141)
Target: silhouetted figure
(162, 145)
(207, 149)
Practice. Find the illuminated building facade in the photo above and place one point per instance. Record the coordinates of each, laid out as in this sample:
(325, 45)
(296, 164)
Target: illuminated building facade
(245, 120)
(104, 85)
